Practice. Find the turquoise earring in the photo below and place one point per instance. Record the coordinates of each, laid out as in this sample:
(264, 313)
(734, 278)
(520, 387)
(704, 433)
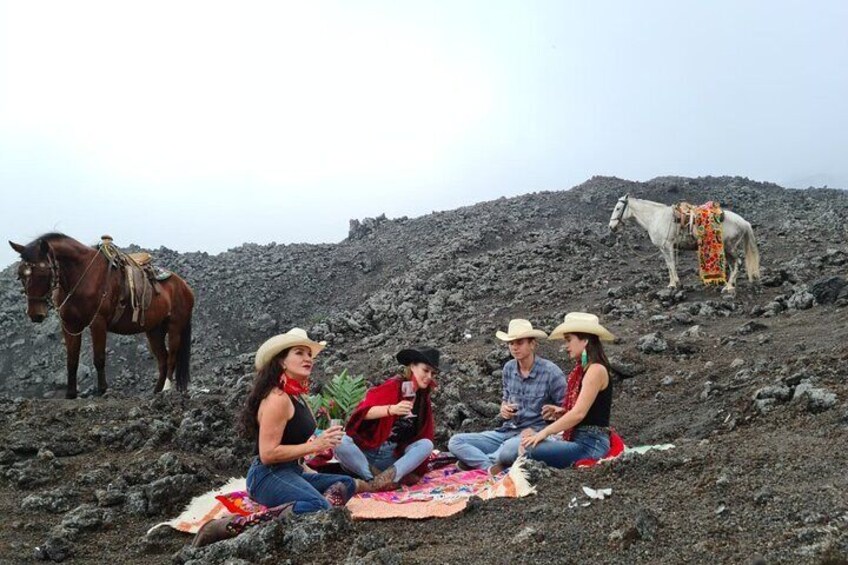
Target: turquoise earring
(584, 359)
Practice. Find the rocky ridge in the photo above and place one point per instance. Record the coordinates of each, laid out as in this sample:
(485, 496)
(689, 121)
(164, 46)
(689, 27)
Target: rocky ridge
(751, 389)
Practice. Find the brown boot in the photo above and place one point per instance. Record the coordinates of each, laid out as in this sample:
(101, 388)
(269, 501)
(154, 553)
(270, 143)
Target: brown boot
(212, 531)
(362, 486)
(384, 481)
(410, 480)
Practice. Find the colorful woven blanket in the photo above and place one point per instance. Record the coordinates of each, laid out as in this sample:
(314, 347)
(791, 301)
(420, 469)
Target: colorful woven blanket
(707, 229)
(442, 492)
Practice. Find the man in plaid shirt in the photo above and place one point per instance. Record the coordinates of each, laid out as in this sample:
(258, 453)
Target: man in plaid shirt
(529, 382)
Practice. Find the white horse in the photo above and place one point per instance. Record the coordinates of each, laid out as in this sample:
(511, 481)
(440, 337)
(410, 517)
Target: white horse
(667, 235)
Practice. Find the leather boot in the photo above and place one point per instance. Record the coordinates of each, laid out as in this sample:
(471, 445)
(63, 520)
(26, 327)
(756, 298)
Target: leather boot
(362, 486)
(410, 480)
(496, 469)
(336, 494)
(212, 531)
(384, 481)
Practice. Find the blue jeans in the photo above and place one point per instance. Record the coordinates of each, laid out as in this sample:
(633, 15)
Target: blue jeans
(272, 485)
(481, 450)
(358, 461)
(561, 454)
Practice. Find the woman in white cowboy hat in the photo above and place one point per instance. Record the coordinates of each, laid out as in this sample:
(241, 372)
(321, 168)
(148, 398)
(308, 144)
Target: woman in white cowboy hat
(390, 434)
(529, 382)
(278, 418)
(583, 419)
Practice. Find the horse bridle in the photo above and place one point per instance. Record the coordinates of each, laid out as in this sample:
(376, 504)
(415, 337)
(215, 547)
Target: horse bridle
(626, 200)
(53, 282)
(26, 275)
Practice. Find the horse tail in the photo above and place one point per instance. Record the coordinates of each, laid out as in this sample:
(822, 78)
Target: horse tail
(181, 371)
(752, 254)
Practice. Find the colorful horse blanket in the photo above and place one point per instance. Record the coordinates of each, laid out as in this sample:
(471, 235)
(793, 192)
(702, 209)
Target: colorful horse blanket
(705, 224)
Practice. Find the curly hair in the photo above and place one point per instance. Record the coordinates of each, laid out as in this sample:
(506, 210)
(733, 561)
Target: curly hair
(267, 379)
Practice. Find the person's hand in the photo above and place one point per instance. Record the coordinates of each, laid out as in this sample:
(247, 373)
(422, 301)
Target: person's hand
(402, 408)
(526, 432)
(552, 412)
(507, 411)
(330, 439)
(533, 440)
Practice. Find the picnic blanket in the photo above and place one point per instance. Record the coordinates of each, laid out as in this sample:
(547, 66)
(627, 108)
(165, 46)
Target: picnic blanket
(441, 492)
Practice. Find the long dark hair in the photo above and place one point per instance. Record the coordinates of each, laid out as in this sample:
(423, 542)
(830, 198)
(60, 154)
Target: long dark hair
(267, 379)
(594, 349)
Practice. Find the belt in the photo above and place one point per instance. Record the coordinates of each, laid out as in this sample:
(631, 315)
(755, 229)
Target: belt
(596, 429)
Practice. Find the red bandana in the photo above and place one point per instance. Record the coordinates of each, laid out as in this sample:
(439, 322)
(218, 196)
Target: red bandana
(575, 382)
(292, 387)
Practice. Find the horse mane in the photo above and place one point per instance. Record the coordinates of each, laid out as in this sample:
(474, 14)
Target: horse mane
(32, 250)
(651, 202)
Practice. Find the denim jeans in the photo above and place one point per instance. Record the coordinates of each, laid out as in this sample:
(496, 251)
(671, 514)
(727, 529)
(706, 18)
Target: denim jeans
(273, 485)
(481, 450)
(559, 453)
(358, 461)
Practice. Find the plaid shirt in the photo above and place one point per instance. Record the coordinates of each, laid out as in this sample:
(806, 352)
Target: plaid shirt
(544, 385)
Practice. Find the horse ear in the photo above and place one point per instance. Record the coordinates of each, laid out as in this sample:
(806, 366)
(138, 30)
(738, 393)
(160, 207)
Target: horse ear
(19, 249)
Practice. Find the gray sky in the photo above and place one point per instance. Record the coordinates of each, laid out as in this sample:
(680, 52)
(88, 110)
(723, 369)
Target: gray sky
(200, 126)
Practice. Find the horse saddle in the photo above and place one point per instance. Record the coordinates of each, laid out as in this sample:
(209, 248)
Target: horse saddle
(139, 279)
(143, 259)
(685, 213)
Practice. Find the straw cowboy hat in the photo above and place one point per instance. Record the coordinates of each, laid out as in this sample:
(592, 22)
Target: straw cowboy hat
(519, 329)
(581, 322)
(428, 355)
(294, 336)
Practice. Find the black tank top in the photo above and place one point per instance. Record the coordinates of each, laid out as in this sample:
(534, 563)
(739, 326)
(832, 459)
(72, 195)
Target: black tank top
(599, 413)
(301, 426)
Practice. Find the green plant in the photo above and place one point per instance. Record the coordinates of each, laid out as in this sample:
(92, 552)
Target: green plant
(338, 399)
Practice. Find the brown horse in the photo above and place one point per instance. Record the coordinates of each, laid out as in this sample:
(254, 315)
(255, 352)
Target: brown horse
(84, 286)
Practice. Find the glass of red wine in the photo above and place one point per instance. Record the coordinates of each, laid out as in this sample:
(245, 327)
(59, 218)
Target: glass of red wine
(407, 389)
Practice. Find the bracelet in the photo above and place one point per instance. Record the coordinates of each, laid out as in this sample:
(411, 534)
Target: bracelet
(389, 410)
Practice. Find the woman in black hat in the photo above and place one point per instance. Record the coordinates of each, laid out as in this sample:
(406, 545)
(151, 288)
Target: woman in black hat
(390, 434)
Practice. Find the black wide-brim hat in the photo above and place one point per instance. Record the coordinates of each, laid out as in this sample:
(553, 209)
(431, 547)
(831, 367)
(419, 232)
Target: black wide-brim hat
(427, 355)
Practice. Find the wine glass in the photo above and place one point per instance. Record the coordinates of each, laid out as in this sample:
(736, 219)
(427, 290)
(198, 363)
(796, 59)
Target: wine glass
(515, 402)
(407, 389)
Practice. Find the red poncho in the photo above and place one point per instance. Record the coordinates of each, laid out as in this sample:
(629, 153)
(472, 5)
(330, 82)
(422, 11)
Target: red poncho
(371, 434)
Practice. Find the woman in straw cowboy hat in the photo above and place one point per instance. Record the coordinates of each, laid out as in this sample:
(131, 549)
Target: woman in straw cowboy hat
(278, 418)
(584, 417)
(390, 434)
(529, 382)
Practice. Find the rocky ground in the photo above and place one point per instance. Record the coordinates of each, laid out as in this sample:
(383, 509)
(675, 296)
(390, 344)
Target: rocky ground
(751, 389)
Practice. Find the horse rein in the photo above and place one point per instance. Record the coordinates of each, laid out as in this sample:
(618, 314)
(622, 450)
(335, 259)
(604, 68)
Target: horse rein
(54, 284)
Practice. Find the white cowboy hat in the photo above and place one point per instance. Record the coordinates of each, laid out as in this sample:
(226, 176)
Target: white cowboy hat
(519, 329)
(274, 345)
(581, 322)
